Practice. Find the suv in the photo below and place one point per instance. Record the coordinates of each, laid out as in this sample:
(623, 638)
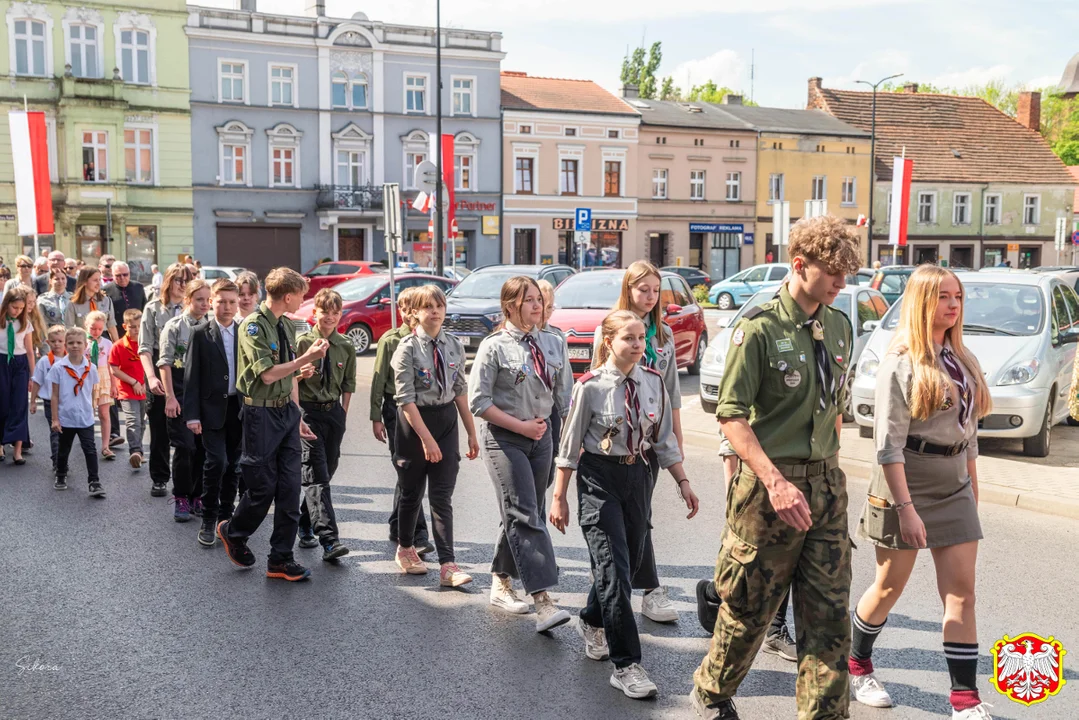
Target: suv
(892, 281)
(473, 308)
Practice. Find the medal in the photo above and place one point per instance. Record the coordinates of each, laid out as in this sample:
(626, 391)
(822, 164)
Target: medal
(793, 379)
(605, 444)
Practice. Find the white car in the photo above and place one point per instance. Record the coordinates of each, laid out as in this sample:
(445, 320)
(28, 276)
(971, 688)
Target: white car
(210, 273)
(1022, 327)
(870, 304)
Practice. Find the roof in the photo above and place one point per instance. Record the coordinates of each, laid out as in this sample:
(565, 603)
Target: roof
(1015, 277)
(524, 92)
(950, 138)
(1074, 170)
(810, 122)
(686, 114)
(1069, 81)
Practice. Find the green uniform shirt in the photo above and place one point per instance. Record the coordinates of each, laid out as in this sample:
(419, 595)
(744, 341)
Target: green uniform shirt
(382, 383)
(771, 378)
(259, 349)
(335, 374)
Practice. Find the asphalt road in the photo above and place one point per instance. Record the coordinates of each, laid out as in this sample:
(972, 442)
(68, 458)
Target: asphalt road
(109, 609)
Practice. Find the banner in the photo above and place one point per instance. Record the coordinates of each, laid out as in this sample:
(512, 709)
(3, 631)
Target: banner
(30, 160)
(447, 178)
(901, 174)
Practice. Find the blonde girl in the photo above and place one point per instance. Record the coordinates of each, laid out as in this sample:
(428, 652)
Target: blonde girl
(98, 346)
(16, 367)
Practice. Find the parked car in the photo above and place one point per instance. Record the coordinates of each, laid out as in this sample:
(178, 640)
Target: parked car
(892, 281)
(862, 306)
(474, 310)
(1068, 274)
(209, 273)
(693, 276)
(864, 276)
(328, 274)
(365, 316)
(735, 290)
(448, 272)
(582, 301)
(1022, 327)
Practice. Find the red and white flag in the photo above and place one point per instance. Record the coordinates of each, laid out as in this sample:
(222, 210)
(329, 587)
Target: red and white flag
(901, 174)
(422, 202)
(30, 158)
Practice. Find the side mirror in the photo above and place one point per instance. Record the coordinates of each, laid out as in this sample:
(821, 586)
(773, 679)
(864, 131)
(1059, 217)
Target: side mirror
(1069, 338)
(870, 325)
(384, 301)
(672, 309)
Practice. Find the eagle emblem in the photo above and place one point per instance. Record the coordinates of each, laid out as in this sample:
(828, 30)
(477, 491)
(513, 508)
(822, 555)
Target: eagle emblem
(1028, 669)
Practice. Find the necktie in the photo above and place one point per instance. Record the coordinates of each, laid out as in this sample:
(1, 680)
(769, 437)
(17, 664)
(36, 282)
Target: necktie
(951, 364)
(538, 360)
(282, 340)
(326, 370)
(78, 379)
(633, 415)
(440, 368)
(10, 339)
(824, 365)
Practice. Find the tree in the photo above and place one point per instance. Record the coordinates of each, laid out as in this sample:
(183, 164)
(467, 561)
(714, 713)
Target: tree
(669, 91)
(709, 92)
(640, 68)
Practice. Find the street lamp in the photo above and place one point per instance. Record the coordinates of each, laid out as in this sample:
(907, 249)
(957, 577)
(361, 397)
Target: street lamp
(873, 159)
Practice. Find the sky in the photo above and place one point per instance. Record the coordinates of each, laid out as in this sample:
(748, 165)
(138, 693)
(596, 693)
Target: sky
(943, 42)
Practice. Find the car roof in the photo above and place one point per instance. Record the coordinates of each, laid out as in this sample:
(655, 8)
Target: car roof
(897, 268)
(1016, 278)
(525, 269)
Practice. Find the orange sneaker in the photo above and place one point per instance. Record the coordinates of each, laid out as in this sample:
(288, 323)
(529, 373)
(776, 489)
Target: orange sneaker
(409, 561)
(452, 576)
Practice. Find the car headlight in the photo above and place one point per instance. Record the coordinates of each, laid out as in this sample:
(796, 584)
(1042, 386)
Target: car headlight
(868, 365)
(709, 355)
(494, 318)
(1020, 373)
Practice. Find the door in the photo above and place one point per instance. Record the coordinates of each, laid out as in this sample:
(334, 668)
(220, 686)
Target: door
(318, 278)
(1030, 256)
(752, 281)
(696, 253)
(925, 254)
(961, 258)
(260, 248)
(524, 246)
(994, 255)
(726, 254)
(1065, 317)
(671, 293)
(658, 250)
(351, 244)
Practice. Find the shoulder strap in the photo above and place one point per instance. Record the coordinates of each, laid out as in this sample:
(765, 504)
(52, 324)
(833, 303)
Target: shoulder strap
(587, 376)
(753, 312)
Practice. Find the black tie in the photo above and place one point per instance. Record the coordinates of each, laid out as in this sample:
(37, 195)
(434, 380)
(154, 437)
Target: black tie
(824, 365)
(282, 339)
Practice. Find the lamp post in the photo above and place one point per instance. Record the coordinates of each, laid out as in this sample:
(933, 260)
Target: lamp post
(873, 158)
(439, 210)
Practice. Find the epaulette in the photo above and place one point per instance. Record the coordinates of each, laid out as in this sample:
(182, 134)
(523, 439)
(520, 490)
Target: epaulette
(586, 377)
(753, 312)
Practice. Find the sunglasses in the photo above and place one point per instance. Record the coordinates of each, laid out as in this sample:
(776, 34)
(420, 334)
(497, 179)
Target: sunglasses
(120, 274)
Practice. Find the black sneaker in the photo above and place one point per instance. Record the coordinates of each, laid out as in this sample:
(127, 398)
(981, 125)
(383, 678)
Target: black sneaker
(287, 569)
(237, 550)
(159, 489)
(60, 484)
(95, 490)
(115, 441)
(333, 550)
(206, 534)
(707, 611)
(722, 710)
(779, 642)
(424, 547)
(307, 538)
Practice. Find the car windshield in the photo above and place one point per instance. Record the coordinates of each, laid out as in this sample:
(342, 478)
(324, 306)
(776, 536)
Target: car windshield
(486, 284)
(599, 291)
(378, 268)
(359, 288)
(994, 309)
(842, 304)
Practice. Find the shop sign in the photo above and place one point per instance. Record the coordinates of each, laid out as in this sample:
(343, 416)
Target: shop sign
(747, 239)
(546, 259)
(716, 227)
(1013, 247)
(474, 206)
(490, 224)
(598, 225)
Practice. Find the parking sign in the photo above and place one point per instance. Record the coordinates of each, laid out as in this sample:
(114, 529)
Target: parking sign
(583, 218)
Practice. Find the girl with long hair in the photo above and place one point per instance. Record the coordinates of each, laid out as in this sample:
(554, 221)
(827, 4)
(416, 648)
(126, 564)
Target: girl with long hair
(16, 367)
(518, 378)
(924, 490)
(87, 298)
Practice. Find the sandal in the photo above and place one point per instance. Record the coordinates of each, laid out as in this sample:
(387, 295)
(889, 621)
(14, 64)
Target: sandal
(108, 454)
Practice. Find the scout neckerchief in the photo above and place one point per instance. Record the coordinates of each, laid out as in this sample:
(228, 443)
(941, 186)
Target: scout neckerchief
(93, 305)
(538, 360)
(440, 366)
(52, 359)
(10, 340)
(633, 413)
(93, 351)
(951, 364)
(77, 378)
(824, 365)
(649, 335)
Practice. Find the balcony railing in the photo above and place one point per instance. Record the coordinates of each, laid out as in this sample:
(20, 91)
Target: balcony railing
(347, 197)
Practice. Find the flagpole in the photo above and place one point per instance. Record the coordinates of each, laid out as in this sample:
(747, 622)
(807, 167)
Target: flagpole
(440, 213)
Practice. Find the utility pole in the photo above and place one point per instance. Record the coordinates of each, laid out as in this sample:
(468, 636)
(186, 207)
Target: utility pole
(440, 213)
(873, 160)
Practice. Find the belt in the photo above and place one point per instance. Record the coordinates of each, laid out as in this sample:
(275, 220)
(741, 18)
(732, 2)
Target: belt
(921, 446)
(276, 403)
(800, 469)
(324, 407)
(617, 459)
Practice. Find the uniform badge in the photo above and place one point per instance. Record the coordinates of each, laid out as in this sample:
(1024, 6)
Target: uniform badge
(781, 365)
(839, 359)
(662, 364)
(840, 343)
(793, 379)
(818, 330)
(802, 357)
(784, 345)
(340, 365)
(252, 329)
(605, 444)
(739, 336)
(1028, 668)
(273, 346)
(520, 378)
(178, 364)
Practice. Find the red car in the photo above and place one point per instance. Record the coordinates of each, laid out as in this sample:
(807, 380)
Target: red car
(328, 274)
(366, 313)
(583, 300)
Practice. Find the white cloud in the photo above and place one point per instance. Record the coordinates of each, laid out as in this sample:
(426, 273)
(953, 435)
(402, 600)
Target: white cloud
(724, 68)
(881, 64)
(973, 76)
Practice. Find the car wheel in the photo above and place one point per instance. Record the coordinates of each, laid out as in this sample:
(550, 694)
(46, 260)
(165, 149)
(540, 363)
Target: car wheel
(725, 301)
(1039, 445)
(708, 406)
(865, 432)
(360, 335)
(848, 404)
(702, 345)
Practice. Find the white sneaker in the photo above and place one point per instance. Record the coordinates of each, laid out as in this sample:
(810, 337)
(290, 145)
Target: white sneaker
(634, 682)
(595, 640)
(978, 712)
(548, 615)
(504, 597)
(657, 606)
(868, 691)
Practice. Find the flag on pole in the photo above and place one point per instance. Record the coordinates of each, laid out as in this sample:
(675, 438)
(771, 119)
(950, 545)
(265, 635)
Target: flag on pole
(422, 202)
(901, 174)
(30, 158)
(448, 162)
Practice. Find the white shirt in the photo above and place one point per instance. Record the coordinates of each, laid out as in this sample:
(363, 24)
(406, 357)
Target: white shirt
(41, 377)
(155, 283)
(228, 336)
(20, 337)
(76, 411)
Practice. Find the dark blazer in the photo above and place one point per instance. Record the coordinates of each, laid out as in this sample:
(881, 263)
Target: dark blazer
(136, 298)
(41, 285)
(206, 377)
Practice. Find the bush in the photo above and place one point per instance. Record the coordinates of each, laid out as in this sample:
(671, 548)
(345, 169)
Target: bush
(700, 293)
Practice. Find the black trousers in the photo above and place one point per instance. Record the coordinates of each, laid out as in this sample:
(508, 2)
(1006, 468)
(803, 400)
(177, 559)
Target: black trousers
(159, 439)
(114, 419)
(320, 459)
(614, 509)
(270, 463)
(646, 577)
(89, 451)
(188, 458)
(415, 473)
(389, 419)
(54, 437)
(221, 468)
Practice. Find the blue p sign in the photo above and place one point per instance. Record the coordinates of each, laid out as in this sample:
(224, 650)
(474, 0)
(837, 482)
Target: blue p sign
(583, 220)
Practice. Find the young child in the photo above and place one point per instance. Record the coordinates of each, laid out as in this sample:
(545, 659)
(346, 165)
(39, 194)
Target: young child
(431, 388)
(130, 379)
(324, 399)
(73, 378)
(16, 367)
(187, 451)
(98, 348)
(619, 410)
(41, 387)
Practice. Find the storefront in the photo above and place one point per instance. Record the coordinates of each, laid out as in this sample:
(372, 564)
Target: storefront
(722, 243)
(605, 245)
(476, 244)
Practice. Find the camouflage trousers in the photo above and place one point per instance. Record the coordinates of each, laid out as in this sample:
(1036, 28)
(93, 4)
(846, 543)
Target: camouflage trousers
(761, 556)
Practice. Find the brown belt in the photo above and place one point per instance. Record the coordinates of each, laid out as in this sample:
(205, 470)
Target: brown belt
(276, 403)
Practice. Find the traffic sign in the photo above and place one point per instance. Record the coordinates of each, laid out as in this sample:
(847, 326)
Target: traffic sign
(582, 237)
(583, 219)
(425, 176)
(1062, 233)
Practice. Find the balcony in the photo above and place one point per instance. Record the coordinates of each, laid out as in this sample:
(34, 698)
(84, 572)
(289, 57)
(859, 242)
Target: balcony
(362, 198)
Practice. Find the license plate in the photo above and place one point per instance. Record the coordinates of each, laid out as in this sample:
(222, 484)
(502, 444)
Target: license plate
(580, 353)
(466, 341)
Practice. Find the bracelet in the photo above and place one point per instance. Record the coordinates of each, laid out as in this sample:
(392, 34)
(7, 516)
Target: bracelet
(682, 481)
(900, 506)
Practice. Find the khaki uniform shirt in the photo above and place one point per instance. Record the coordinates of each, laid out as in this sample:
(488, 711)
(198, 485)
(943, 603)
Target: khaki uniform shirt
(75, 313)
(382, 381)
(503, 375)
(154, 317)
(414, 375)
(335, 374)
(666, 362)
(175, 340)
(259, 350)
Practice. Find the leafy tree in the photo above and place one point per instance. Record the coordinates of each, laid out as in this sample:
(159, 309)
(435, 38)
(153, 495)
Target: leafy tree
(639, 68)
(1068, 151)
(669, 91)
(711, 93)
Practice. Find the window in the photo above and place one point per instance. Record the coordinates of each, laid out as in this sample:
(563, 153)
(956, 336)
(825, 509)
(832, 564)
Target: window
(235, 165)
(696, 184)
(282, 85)
(758, 274)
(888, 215)
(138, 155)
(83, 46)
(992, 210)
(777, 273)
(283, 141)
(234, 143)
(348, 92)
(233, 80)
(465, 149)
(283, 161)
(613, 134)
(412, 160)
(819, 187)
(339, 90)
(612, 178)
(661, 141)
(525, 130)
(847, 192)
(734, 186)
(927, 207)
(29, 47)
(352, 168)
(95, 156)
(462, 172)
(777, 146)
(415, 94)
(523, 175)
(659, 184)
(775, 187)
(135, 56)
(1032, 206)
(567, 178)
(736, 143)
(571, 132)
(961, 209)
(463, 100)
(820, 148)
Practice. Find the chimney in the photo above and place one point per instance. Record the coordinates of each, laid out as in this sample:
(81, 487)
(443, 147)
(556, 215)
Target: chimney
(910, 88)
(315, 8)
(732, 99)
(1029, 110)
(814, 100)
(630, 91)
(248, 5)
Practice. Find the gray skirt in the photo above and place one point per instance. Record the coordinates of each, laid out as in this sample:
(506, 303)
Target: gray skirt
(942, 494)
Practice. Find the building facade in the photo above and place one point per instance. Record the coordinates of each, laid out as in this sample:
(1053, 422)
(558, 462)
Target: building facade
(302, 119)
(112, 80)
(568, 144)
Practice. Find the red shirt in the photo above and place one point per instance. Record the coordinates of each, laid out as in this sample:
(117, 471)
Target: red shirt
(125, 356)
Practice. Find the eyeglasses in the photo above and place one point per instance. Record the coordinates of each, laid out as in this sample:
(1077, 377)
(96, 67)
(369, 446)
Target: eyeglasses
(120, 274)
(108, 267)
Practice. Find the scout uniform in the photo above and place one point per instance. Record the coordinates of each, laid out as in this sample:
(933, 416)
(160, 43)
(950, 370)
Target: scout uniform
(154, 317)
(53, 306)
(320, 400)
(429, 372)
(616, 419)
(188, 455)
(75, 313)
(271, 459)
(785, 374)
(14, 379)
(557, 416)
(44, 391)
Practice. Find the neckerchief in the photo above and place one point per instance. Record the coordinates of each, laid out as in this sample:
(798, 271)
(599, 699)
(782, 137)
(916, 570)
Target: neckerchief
(649, 349)
(538, 360)
(824, 365)
(78, 379)
(951, 364)
(52, 359)
(94, 349)
(633, 413)
(93, 305)
(10, 339)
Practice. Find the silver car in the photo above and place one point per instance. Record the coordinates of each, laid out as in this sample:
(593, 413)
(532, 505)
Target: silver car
(1022, 327)
(864, 304)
